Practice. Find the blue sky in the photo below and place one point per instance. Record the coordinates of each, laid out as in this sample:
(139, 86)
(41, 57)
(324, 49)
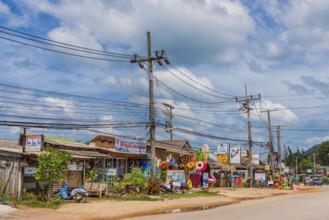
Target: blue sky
(279, 49)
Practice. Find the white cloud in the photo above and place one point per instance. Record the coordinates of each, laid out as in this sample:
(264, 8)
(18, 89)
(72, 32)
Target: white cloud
(282, 116)
(316, 140)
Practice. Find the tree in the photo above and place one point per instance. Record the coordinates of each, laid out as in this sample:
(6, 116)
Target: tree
(52, 167)
(322, 153)
(305, 164)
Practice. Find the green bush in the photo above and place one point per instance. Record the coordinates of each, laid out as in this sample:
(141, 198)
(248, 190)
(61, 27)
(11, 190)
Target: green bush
(135, 178)
(246, 183)
(325, 180)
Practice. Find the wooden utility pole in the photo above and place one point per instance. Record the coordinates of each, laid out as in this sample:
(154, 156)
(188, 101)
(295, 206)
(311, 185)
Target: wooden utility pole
(246, 108)
(150, 60)
(270, 138)
(170, 128)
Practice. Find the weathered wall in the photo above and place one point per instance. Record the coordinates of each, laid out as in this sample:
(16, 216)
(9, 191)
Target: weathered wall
(9, 177)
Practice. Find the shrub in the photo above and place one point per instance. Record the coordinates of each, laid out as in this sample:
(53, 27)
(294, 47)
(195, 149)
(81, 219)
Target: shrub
(153, 186)
(246, 183)
(325, 180)
(135, 178)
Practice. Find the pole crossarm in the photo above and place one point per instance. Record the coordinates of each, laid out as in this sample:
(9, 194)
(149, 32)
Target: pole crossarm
(246, 108)
(159, 56)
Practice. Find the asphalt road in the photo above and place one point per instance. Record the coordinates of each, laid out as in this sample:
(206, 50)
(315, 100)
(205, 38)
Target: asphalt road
(308, 206)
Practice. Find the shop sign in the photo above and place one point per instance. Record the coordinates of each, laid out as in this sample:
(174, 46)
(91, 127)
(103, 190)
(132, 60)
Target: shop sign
(267, 167)
(111, 172)
(235, 154)
(175, 175)
(34, 143)
(222, 158)
(75, 166)
(130, 145)
(255, 159)
(222, 149)
(30, 171)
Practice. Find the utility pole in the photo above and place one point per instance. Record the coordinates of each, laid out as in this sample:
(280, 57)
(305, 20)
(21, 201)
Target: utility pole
(170, 128)
(296, 166)
(246, 108)
(279, 146)
(314, 163)
(270, 137)
(150, 60)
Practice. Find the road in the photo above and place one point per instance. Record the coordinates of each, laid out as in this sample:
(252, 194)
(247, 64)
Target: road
(301, 206)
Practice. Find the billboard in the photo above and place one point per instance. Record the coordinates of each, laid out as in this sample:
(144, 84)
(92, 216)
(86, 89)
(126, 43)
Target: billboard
(222, 158)
(130, 146)
(255, 159)
(222, 148)
(34, 143)
(235, 154)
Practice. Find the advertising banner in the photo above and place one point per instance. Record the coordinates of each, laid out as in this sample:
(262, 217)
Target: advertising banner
(222, 158)
(175, 175)
(130, 146)
(222, 149)
(205, 180)
(255, 159)
(34, 143)
(235, 154)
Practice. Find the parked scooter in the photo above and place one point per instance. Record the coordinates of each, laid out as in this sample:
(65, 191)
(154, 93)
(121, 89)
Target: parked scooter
(79, 194)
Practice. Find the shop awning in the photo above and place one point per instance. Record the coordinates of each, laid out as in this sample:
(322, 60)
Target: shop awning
(226, 167)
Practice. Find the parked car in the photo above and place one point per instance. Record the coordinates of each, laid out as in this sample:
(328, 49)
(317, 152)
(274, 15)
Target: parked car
(316, 182)
(307, 181)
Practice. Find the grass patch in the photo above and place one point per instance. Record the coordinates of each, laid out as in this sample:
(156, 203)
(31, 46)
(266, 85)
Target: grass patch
(188, 195)
(40, 204)
(136, 197)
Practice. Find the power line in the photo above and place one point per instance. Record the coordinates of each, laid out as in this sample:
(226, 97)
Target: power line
(74, 46)
(187, 96)
(61, 52)
(200, 83)
(193, 85)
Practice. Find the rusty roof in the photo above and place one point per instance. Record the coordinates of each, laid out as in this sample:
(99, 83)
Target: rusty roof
(175, 146)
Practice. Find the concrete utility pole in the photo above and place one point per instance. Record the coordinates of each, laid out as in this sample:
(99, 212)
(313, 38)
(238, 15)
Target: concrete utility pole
(296, 166)
(314, 163)
(245, 107)
(279, 146)
(150, 60)
(270, 138)
(170, 119)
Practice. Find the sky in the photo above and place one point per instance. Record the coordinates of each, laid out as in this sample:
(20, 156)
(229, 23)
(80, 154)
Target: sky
(219, 52)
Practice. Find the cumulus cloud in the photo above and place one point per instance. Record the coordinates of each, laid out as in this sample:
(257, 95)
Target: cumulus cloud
(219, 28)
(282, 116)
(316, 140)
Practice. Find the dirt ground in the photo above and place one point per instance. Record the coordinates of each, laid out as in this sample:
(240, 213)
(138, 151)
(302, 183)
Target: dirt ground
(96, 209)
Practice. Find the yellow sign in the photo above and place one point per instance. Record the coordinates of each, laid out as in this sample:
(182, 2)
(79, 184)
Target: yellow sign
(222, 158)
(267, 167)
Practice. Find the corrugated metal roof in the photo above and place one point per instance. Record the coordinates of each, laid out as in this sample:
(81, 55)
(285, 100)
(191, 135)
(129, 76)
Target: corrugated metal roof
(175, 146)
(69, 144)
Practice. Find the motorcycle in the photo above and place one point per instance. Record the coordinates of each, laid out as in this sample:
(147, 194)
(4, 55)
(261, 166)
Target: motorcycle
(174, 188)
(78, 194)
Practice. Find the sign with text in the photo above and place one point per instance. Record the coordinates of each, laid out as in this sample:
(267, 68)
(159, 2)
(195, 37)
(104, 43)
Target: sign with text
(130, 146)
(222, 158)
(255, 159)
(222, 149)
(175, 175)
(30, 171)
(34, 143)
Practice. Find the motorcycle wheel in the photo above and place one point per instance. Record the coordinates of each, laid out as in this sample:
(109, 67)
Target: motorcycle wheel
(79, 197)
